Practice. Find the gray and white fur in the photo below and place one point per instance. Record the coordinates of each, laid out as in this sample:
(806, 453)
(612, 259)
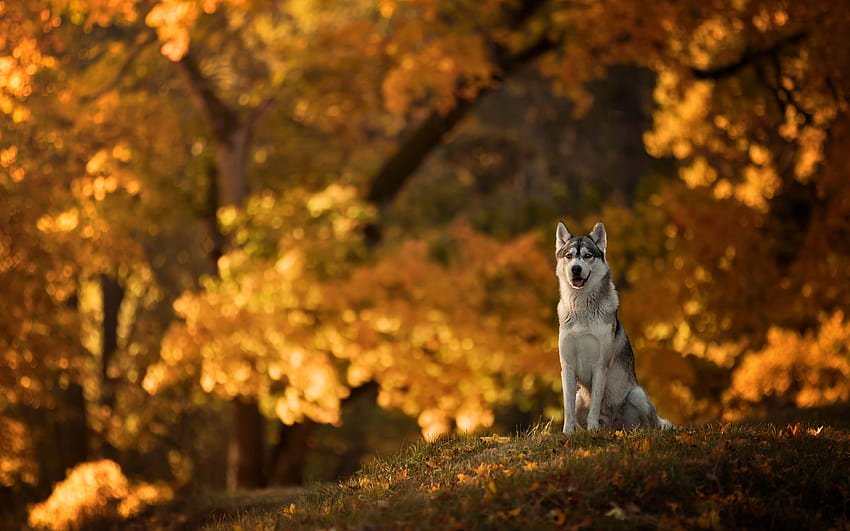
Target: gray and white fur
(597, 362)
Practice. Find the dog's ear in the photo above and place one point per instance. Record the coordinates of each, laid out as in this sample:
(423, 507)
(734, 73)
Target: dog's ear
(562, 235)
(599, 237)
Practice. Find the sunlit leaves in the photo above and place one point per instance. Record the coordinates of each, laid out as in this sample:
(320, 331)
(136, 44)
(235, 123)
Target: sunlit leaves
(21, 56)
(260, 329)
(105, 168)
(444, 330)
(18, 464)
(173, 19)
(94, 490)
(437, 73)
(441, 326)
(763, 109)
(805, 369)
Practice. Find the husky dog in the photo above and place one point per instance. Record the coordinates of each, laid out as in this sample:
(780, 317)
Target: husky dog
(595, 352)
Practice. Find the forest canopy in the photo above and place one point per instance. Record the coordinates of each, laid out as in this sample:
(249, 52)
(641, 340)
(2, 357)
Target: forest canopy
(227, 226)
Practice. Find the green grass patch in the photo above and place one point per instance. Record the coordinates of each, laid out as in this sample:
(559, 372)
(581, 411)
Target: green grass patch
(751, 475)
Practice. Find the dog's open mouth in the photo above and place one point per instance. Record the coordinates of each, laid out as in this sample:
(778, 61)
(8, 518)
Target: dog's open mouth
(579, 282)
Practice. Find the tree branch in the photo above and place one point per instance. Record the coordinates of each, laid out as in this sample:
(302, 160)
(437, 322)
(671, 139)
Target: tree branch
(258, 113)
(148, 39)
(401, 165)
(221, 118)
(748, 58)
(398, 169)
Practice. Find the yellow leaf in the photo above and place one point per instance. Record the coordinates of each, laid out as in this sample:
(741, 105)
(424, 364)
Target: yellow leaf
(464, 478)
(496, 438)
(485, 471)
(616, 512)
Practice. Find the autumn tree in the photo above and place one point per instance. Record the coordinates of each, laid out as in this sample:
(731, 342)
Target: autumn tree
(452, 60)
(80, 178)
(252, 203)
(752, 108)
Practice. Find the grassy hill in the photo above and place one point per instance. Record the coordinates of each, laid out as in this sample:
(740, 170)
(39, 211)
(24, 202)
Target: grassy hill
(791, 473)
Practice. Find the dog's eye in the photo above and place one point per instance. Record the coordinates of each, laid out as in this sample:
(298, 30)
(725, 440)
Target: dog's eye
(568, 256)
(588, 256)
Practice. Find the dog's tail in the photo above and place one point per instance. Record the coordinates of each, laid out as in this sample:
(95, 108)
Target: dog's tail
(645, 410)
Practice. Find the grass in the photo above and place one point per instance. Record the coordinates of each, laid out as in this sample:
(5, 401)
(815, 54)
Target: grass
(750, 475)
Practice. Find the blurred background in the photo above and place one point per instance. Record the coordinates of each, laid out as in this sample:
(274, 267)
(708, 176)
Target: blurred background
(248, 243)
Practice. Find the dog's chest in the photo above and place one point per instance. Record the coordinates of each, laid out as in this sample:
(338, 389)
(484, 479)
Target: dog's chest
(585, 347)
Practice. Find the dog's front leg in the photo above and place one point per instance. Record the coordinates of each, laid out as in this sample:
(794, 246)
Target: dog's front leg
(568, 382)
(597, 393)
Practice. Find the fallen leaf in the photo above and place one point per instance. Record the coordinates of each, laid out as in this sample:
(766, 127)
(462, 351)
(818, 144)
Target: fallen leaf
(529, 465)
(464, 478)
(616, 512)
(509, 515)
(496, 438)
(793, 431)
(484, 470)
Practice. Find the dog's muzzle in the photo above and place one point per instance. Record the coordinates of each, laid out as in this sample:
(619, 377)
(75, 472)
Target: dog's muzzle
(577, 282)
(576, 279)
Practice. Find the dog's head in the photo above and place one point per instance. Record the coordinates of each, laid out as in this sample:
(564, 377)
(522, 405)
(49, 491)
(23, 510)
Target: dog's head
(581, 260)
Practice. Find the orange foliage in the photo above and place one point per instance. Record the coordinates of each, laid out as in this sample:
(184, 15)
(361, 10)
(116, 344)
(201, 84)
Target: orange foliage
(94, 490)
(808, 369)
(17, 459)
(451, 328)
(447, 328)
(449, 324)
(432, 72)
(261, 328)
(172, 20)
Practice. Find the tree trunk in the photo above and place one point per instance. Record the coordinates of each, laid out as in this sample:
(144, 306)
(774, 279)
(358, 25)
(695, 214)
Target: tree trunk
(232, 137)
(287, 460)
(245, 449)
(113, 294)
(64, 443)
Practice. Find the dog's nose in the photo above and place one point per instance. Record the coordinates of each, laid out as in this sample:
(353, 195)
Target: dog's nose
(576, 270)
